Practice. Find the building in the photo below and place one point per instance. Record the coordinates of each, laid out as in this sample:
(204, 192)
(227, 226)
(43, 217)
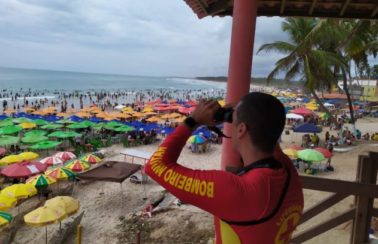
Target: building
(363, 89)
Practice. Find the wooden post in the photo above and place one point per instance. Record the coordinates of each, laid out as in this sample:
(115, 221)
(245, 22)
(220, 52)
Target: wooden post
(364, 205)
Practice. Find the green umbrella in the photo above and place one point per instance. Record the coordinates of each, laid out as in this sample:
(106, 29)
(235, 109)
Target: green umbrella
(310, 155)
(10, 129)
(5, 218)
(98, 126)
(45, 145)
(65, 121)
(64, 134)
(78, 126)
(51, 126)
(34, 139)
(8, 140)
(6, 122)
(21, 120)
(87, 122)
(36, 133)
(114, 124)
(124, 128)
(40, 122)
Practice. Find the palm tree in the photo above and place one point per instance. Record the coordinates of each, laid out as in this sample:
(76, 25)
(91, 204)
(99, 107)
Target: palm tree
(304, 58)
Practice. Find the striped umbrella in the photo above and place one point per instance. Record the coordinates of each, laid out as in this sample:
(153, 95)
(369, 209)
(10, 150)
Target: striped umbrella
(5, 218)
(41, 180)
(291, 153)
(77, 165)
(196, 139)
(19, 191)
(65, 156)
(90, 158)
(60, 173)
(52, 161)
(326, 153)
(7, 202)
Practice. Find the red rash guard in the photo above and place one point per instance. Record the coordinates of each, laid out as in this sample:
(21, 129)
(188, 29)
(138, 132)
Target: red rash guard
(231, 197)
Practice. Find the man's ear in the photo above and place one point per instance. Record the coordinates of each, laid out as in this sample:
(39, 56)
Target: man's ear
(241, 130)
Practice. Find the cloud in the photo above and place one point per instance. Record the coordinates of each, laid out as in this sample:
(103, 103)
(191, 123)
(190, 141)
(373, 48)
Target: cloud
(122, 36)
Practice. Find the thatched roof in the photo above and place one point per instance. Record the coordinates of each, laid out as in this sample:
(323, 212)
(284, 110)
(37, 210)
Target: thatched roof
(359, 9)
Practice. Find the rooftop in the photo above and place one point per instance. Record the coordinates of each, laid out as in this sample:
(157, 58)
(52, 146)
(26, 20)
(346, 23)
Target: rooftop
(359, 9)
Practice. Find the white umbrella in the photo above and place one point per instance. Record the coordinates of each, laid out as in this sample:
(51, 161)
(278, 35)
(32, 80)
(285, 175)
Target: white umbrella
(294, 116)
(119, 107)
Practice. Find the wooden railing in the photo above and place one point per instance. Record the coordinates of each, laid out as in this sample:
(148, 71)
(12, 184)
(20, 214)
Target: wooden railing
(365, 189)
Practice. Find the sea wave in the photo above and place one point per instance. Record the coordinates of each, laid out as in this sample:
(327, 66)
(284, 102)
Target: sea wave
(197, 82)
(28, 98)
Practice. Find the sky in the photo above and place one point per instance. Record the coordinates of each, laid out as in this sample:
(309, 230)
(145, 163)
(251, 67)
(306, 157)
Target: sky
(145, 37)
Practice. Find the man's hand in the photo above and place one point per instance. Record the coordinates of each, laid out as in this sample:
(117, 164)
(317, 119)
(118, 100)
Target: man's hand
(204, 113)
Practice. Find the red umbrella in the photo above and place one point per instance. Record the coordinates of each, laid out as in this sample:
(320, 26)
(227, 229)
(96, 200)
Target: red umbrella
(302, 111)
(23, 169)
(326, 153)
(295, 147)
(2, 151)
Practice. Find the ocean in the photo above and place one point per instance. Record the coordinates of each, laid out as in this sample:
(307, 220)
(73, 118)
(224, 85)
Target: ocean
(16, 79)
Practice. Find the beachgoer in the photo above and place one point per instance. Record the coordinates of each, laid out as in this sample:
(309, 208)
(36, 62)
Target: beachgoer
(263, 203)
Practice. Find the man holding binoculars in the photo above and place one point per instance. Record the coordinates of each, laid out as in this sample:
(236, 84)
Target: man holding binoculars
(260, 204)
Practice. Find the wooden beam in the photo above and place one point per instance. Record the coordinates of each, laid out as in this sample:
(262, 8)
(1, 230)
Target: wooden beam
(313, 4)
(345, 6)
(282, 9)
(323, 227)
(218, 6)
(339, 186)
(375, 11)
(321, 206)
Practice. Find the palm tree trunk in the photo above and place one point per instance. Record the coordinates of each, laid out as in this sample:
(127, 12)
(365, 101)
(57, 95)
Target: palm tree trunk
(317, 99)
(345, 87)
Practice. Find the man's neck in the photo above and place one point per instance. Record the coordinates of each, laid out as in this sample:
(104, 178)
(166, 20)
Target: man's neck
(254, 156)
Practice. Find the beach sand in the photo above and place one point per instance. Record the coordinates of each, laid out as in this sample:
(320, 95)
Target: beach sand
(105, 205)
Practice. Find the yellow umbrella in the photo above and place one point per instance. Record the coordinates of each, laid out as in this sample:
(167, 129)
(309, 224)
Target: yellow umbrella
(69, 204)
(138, 114)
(180, 119)
(222, 102)
(9, 111)
(153, 119)
(10, 159)
(28, 109)
(128, 109)
(28, 155)
(19, 191)
(28, 125)
(83, 114)
(148, 109)
(7, 202)
(292, 153)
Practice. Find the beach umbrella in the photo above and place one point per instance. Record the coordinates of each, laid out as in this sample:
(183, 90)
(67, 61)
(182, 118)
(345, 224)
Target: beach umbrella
(295, 147)
(21, 120)
(124, 128)
(10, 129)
(5, 218)
(98, 126)
(52, 160)
(35, 133)
(41, 180)
(51, 126)
(77, 126)
(65, 156)
(28, 125)
(28, 155)
(70, 205)
(65, 121)
(11, 159)
(6, 122)
(24, 169)
(19, 191)
(8, 140)
(60, 173)
(7, 202)
(77, 165)
(291, 153)
(33, 139)
(45, 145)
(91, 158)
(196, 139)
(44, 216)
(114, 124)
(310, 155)
(63, 134)
(87, 122)
(326, 153)
(40, 122)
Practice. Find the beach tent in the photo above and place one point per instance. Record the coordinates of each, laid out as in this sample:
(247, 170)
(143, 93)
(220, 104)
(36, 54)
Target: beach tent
(294, 116)
(302, 111)
(307, 128)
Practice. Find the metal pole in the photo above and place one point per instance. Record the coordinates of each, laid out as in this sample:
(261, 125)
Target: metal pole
(240, 66)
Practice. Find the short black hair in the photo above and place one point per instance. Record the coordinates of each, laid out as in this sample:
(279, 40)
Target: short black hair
(265, 118)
